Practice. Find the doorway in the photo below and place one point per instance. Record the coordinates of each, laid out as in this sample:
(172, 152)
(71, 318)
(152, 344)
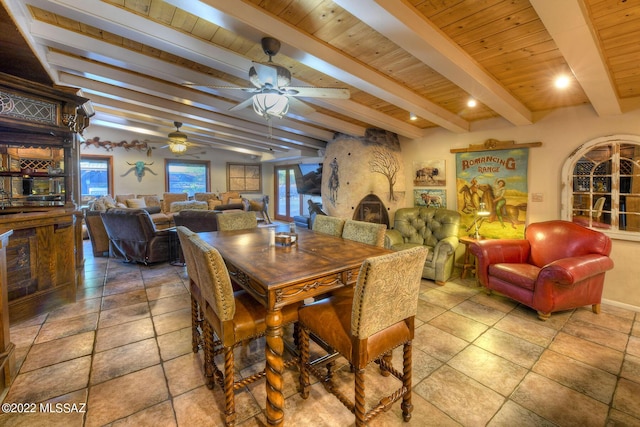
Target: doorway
(288, 202)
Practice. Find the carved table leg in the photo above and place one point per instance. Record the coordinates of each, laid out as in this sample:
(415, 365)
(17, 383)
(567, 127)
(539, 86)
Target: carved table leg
(274, 350)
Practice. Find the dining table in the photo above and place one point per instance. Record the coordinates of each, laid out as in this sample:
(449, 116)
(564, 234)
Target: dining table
(281, 274)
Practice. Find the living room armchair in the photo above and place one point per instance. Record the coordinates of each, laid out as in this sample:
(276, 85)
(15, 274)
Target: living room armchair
(133, 235)
(435, 228)
(559, 265)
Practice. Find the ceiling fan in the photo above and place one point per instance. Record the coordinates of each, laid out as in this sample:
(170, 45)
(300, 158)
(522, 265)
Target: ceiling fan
(177, 141)
(272, 93)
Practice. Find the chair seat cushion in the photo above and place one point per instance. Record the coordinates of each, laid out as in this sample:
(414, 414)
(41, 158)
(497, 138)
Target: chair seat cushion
(249, 319)
(521, 275)
(330, 319)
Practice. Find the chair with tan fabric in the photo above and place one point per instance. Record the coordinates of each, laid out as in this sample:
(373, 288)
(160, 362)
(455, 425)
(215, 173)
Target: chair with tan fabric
(364, 232)
(236, 221)
(328, 225)
(366, 327)
(234, 318)
(197, 302)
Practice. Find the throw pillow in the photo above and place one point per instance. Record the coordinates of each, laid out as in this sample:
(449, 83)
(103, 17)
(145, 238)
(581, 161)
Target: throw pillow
(213, 203)
(136, 203)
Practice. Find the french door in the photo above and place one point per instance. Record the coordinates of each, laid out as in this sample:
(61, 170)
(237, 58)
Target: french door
(288, 202)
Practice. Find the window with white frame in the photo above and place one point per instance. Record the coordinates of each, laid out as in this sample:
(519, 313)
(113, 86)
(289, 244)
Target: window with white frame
(602, 185)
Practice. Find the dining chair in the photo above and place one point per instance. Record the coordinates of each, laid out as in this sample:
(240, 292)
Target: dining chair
(364, 232)
(237, 221)
(328, 225)
(366, 327)
(234, 317)
(197, 302)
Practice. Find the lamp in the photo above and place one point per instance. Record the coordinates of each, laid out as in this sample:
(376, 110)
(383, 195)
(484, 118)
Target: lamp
(269, 105)
(481, 214)
(177, 147)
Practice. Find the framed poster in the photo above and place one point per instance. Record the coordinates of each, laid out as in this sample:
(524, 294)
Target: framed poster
(244, 177)
(430, 198)
(430, 173)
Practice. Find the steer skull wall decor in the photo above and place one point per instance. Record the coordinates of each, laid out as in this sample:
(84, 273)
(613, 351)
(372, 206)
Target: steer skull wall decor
(139, 168)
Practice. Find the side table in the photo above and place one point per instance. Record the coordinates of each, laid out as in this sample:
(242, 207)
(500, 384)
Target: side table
(175, 250)
(469, 260)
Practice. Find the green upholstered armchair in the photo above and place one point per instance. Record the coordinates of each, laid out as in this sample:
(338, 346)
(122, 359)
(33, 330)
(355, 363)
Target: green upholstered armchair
(435, 228)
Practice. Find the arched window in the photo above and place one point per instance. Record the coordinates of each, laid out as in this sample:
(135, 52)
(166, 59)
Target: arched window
(602, 186)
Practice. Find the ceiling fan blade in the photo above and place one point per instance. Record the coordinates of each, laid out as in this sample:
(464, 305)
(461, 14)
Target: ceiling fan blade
(244, 104)
(300, 107)
(320, 92)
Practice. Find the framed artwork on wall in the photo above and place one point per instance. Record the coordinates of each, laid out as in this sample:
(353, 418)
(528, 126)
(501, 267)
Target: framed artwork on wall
(430, 197)
(244, 177)
(429, 173)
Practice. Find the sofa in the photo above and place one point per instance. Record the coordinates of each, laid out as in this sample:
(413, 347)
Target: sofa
(559, 265)
(134, 237)
(435, 228)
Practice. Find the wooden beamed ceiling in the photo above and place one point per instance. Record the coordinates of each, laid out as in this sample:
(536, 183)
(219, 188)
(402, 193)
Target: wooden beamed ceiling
(396, 57)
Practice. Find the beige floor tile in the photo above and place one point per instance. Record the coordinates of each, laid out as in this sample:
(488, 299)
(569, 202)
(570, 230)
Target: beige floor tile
(174, 344)
(60, 350)
(24, 336)
(437, 343)
(512, 348)
(123, 396)
(173, 321)
(458, 325)
(559, 404)
(631, 368)
(166, 290)
(463, 399)
(626, 397)
(596, 355)
(490, 370)
(75, 309)
(60, 329)
(495, 301)
(442, 299)
(633, 347)
(122, 287)
(126, 333)
(605, 320)
(596, 333)
(122, 360)
(121, 300)
(478, 312)
(173, 303)
(531, 330)
(205, 407)
(512, 414)
(158, 415)
(427, 311)
(185, 373)
(51, 381)
(89, 293)
(124, 314)
(579, 376)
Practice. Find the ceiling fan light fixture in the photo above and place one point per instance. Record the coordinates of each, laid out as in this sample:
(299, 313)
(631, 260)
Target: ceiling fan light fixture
(177, 147)
(270, 105)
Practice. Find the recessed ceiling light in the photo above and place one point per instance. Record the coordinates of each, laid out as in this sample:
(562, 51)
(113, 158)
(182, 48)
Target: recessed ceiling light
(562, 82)
(412, 117)
(472, 103)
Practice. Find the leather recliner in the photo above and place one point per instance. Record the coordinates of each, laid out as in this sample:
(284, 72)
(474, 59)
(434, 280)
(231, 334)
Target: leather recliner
(435, 228)
(134, 236)
(559, 265)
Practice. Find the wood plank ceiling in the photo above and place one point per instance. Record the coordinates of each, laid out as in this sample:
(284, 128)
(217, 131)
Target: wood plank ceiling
(396, 57)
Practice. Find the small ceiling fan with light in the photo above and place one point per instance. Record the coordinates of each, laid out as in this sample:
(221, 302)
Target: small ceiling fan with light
(177, 141)
(272, 93)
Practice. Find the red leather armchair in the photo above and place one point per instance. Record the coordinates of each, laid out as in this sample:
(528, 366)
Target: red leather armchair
(558, 266)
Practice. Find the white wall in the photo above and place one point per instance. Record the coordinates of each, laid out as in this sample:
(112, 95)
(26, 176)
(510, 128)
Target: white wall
(155, 184)
(560, 132)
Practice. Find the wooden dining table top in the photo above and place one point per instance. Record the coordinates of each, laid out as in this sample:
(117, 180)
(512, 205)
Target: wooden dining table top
(286, 274)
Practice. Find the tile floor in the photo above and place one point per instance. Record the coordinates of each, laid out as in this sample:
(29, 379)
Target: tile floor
(121, 355)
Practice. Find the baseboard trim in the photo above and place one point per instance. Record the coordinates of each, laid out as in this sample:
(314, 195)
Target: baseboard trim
(621, 305)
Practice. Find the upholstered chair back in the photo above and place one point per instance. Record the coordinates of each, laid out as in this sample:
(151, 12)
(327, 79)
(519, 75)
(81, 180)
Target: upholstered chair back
(236, 221)
(553, 240)
(184, 235)
(328, 225)
(387, 291)
(426, 226)
(364, 232)
(214, 279)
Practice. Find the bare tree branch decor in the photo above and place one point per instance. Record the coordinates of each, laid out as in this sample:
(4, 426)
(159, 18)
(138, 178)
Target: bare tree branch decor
(386, 163)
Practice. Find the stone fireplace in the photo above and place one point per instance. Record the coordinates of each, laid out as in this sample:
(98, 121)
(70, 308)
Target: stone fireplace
(357, 177)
